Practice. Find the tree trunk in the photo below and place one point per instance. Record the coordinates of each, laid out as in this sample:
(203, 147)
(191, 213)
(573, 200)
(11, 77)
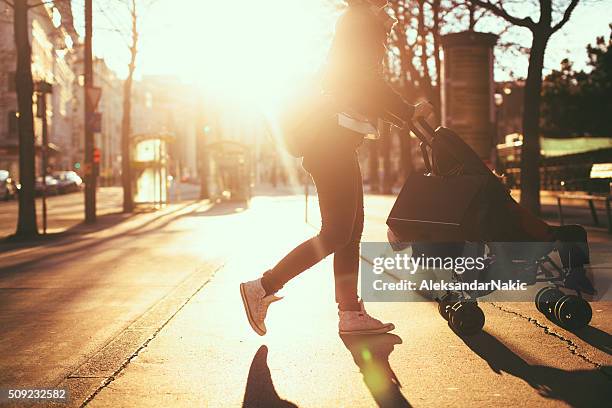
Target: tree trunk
(373, 162)
(472, 16)
(407, 167)
(126, 174)
(530, 152)
(26, 222)
(425, 82)
(126, 122)
(437, 99)
(201, 154)
(408, 72)
(385, 147)
(409, 77)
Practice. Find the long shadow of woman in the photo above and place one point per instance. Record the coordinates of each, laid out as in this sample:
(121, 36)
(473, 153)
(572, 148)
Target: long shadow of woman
(579, 388)
(260, 391)
(371, 354)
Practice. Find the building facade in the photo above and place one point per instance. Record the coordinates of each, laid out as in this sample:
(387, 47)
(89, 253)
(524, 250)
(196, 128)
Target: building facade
(165, 105)
(52, 38)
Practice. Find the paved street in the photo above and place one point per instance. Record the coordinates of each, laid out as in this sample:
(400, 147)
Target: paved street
(140, 307)
(63, 211)
(146, 312)
(67, 211)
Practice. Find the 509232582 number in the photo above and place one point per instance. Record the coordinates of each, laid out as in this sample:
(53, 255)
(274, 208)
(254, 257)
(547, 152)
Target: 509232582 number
(11, 394)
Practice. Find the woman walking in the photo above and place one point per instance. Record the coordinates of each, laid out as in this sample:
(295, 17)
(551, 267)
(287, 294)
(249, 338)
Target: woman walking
(353, 77)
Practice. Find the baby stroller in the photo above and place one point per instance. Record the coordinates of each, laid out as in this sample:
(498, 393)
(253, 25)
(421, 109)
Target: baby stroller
(460, 205)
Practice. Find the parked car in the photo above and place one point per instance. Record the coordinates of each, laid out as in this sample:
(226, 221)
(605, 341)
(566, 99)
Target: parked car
(52, 186)
(8, 186)
(68, 181)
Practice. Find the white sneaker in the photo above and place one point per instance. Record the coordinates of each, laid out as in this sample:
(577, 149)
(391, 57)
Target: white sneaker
(256, 304)
(360, 322)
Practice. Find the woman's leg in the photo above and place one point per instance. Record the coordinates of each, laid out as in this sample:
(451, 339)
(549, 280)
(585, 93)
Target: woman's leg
(335, 180)
(341, 204)
(346, 259)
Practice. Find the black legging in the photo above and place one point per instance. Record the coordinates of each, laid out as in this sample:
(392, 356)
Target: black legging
(337, 177)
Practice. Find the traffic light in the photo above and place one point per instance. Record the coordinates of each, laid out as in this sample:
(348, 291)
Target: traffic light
(96, 155)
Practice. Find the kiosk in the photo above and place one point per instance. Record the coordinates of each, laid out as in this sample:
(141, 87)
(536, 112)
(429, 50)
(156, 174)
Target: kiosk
(150, 169)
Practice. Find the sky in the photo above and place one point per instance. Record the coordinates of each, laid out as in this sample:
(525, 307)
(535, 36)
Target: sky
(279, 40)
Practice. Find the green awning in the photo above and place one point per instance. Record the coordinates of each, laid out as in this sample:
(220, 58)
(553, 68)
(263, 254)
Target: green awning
(559, 147)
(554, 147)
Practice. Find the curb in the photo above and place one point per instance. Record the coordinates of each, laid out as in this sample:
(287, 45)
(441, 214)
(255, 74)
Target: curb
(97, 372)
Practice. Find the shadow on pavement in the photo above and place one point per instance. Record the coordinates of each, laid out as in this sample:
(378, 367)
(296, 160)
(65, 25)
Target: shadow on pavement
(102, 222)
(578, 388)
(221, 208)
(596, 338)
(260, 392)
(77, 250)
(371, 354)
(57, 298)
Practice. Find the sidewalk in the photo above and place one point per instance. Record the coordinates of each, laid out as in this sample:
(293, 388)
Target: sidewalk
(69, 305)
(207, 355)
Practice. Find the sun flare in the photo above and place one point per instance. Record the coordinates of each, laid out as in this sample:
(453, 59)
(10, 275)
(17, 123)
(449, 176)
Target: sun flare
(244, 51)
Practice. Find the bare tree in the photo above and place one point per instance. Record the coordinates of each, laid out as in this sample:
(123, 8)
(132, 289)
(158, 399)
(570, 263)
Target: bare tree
(134, 8)
(424, 22)
(417, 42)
(541, 32)
(24, 85)
(385, 148)
(408, 79)
(26, 221)
(126, 121)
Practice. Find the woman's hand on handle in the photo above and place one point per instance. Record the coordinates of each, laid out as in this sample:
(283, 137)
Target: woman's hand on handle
(424, 113)
(423, 110)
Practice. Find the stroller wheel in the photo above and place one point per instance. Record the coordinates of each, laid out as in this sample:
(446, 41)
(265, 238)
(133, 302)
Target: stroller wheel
(573, 312)
(546, 300)
(466, 318)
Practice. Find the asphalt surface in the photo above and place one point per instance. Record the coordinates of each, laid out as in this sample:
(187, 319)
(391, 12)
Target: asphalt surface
(62, 301)
(63, 211)
(68, 210)
(145, 311)
(205, 357)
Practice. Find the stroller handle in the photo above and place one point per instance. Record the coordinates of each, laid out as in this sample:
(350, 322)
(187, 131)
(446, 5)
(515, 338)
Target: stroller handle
(426, 134)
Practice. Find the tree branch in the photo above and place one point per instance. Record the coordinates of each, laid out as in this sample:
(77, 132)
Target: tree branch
(8, 3)
(507, 45)
(499, 11)
(566, 16)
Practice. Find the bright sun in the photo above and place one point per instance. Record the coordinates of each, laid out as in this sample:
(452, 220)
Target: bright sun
(247, 51)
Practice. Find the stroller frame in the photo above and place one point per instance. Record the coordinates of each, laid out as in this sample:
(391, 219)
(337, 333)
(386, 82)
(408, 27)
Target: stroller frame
(461, 310)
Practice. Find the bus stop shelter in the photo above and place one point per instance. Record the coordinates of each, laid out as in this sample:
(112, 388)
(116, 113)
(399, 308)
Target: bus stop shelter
(230, 170)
